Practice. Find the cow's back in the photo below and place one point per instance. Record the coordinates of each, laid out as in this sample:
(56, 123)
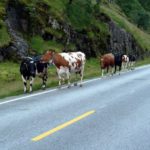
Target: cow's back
(107, 60)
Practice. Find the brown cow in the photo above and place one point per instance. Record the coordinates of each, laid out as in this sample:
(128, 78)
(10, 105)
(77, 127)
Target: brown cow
(66, 63)
(107, 62)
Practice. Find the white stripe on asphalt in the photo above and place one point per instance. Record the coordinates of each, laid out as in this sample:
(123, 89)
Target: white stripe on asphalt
(49, 91)
(41, 93)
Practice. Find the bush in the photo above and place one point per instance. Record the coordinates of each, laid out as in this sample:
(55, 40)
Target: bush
(80, 13)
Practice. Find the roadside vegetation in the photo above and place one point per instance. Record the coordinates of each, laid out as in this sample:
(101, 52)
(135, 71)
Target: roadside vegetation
(115, 13)
(11, 82)
(82, 16)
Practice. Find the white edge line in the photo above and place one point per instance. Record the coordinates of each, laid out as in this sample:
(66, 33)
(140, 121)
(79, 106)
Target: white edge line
(40, 93)
(52, 90)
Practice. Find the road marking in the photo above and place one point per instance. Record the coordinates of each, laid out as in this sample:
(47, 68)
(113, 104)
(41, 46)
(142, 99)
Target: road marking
(41, 93)
(60, 127)
(52, 90)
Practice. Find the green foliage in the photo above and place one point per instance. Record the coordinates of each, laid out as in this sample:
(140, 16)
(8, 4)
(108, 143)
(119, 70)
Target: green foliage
(141, 37)
(2, 8)
(9, 71)
(143, 20)
(4, 36)
(56, 33)
(136, 12)
(39, 45)
(80, 13)
(145, 4)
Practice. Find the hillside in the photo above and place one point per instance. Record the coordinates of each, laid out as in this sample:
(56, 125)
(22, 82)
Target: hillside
(138, 11)
(33, 26)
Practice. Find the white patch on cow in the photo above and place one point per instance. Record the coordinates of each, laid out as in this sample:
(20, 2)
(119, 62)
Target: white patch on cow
(72, 58)
(125, 62)
(102, 72)
(43, 86)
(24, 81)
(31, 83)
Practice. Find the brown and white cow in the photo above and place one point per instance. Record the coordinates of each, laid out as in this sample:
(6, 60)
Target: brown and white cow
(66, 63)
(125, 62)
(107, 62)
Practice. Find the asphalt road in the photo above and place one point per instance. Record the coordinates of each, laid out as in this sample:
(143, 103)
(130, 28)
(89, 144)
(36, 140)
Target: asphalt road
(112, 113)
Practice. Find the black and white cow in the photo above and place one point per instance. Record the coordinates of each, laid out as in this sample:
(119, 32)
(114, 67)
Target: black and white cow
(118, 62)
(29, 68)
(132, 59)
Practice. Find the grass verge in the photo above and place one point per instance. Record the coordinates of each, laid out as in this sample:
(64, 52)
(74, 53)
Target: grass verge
(11, 82)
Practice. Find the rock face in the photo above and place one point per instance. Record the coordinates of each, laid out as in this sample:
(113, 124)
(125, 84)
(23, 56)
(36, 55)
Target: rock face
(18, 47)
(19, 21)
(121, 41)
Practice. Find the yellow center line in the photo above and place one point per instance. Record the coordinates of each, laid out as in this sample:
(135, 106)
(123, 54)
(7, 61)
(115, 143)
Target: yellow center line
(45, 134)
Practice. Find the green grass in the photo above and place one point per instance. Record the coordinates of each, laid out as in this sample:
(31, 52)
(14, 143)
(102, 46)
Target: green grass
(4, 36)
(80, 14)
(143, 62)
(39, 45)
(115, 14)
(11, 82)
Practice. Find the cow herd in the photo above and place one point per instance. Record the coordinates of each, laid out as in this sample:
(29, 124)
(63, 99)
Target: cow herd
(110, 62)
(67, 63)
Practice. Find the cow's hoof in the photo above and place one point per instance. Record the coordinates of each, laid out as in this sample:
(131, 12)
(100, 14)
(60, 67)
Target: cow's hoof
(75, 84)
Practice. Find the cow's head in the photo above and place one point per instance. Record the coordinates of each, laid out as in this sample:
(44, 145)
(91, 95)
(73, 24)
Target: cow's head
(48, 56)
(102, 62)
(32, 68)
(124, 58)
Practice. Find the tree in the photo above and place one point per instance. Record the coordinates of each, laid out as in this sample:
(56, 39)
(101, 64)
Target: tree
(143, 20)
(70, 1)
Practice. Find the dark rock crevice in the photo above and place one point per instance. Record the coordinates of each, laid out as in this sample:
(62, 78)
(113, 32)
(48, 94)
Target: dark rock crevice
(18, 47)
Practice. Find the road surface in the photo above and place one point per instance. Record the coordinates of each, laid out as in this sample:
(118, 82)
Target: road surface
(112, 113)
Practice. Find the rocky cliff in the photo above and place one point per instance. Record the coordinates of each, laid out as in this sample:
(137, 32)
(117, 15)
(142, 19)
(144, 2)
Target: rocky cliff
(94, 40)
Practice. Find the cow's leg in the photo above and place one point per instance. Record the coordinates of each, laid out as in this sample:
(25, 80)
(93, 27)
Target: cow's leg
(132, 65)
(127, 65)
(129, 68)
(63, 80)
(108, 71)
(68, 78)
(44, 79)
(59, 77)
(76, 80)
(115, 69)
(123, 66)
(102, 71)
(31, 83)
(60, 80)
(81, 76)
(25, 83)
(119, 69)
(112, 70)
